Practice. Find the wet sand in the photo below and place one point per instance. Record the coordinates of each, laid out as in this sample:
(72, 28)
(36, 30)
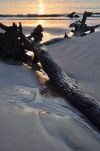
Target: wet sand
(31, 121)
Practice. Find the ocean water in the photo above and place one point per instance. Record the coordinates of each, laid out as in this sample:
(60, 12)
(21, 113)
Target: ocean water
(14, 7)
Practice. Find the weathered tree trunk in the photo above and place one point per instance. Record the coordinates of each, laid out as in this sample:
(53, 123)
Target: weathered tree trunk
(70, 89)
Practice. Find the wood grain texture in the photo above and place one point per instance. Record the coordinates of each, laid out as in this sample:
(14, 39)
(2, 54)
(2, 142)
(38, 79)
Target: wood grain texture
(70, 89)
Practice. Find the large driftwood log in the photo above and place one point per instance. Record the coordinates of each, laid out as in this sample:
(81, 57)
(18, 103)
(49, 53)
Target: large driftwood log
(70, 89)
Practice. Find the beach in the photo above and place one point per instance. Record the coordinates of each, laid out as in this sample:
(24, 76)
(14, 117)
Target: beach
(34, 115)
(31, 120)
(81, 61)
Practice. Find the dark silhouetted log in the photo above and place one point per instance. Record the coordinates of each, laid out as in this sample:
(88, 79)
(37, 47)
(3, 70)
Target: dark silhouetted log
(71, 15)
(69, 88)
(10, 45)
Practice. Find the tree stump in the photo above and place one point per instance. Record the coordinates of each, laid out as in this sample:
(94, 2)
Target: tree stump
(10, 45)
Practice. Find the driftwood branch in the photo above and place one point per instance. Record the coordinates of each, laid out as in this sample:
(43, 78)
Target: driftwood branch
(70, 89)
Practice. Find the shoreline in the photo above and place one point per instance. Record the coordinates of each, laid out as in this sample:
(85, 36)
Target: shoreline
(43, 15)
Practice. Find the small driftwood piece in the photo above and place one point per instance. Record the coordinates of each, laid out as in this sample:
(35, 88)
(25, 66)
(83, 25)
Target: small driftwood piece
(85, 103)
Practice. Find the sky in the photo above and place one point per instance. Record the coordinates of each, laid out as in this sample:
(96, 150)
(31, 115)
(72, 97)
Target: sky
(47, 6)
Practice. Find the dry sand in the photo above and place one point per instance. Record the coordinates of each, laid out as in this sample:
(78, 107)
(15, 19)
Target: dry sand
(80, 59)
(30, 121)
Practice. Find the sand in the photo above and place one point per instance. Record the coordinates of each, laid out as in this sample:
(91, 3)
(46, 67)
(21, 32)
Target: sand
(31, 121)
(80, 59)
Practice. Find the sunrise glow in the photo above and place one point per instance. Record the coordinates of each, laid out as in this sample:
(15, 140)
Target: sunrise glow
(41, 7)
